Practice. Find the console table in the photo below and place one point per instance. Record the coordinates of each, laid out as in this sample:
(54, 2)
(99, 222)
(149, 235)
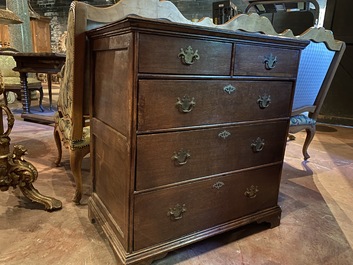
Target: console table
(189, 128)
(49, 63)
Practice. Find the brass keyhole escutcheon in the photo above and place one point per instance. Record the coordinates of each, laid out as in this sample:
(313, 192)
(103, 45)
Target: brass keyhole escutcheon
(229, 89)
(185, 104)
(218, 185)
(188, 56)
(224, 134)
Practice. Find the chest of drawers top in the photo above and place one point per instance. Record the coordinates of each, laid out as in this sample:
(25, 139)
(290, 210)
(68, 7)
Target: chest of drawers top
(179, 49)
(221, 72)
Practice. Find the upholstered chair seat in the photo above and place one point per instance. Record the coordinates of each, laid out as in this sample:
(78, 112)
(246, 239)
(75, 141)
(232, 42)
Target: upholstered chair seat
(302, 119)
(64, 125)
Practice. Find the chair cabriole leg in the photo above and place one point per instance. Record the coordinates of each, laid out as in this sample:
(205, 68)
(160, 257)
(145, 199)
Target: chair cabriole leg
(310, 132)
(76, 157)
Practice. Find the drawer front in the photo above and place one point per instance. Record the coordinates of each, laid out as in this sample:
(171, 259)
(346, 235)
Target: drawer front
(170, 213)
(166, 104)
(173, 157)
(265, 61)
(173, 55)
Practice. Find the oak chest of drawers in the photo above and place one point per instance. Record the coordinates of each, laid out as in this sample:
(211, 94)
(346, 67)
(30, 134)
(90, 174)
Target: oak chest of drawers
(189, 129)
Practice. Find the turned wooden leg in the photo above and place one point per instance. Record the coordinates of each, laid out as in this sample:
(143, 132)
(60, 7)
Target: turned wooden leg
(50, 92)
(58, 145)
(25, 97)
(76, 157)
(41, 99)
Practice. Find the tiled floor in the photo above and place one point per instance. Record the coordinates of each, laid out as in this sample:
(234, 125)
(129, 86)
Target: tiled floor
(315, 197)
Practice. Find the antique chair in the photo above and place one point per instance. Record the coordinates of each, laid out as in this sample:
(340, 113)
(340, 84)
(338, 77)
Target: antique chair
(72, 118)
(317, 67)
(11, 78)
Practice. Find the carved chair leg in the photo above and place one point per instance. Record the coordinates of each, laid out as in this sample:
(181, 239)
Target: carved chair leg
(310, 132)
(76, 157)
(58, 146)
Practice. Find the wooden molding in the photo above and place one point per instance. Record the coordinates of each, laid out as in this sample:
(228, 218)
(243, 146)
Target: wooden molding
(161, 9)
(321, 35)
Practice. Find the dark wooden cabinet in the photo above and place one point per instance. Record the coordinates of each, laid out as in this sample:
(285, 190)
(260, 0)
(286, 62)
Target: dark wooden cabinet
(40, 28)
(189, 129)
(337, 107)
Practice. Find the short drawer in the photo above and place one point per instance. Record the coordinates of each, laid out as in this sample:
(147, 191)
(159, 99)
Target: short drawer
(167, 158)
(252, 60)
(170, 213)
(166, 104)
(173, 55)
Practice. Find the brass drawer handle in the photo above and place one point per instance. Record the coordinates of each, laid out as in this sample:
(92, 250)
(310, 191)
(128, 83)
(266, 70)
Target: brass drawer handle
(225, 134)
(251, 192)
(181, 157)
(185, 104)
(176, 213)
(270, 61)
(188, 57)
(264, 101)
(258, 145)
(229, 89)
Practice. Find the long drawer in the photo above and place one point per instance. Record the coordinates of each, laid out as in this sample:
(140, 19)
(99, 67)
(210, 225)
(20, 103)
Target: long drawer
(173, 55)
(255, 60)
(173, 157)
(166, 104)
(173, 212)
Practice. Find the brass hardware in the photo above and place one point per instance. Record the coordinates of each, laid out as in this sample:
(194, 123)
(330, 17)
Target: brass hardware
(186, 104)
(15, 171)
(224, 134)
(270, 61)
(264, 101)
(218, 185)
(176, 213)
(229, 89)
(258, 145)
(251, 192)
(181, 157)
(188, 57)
